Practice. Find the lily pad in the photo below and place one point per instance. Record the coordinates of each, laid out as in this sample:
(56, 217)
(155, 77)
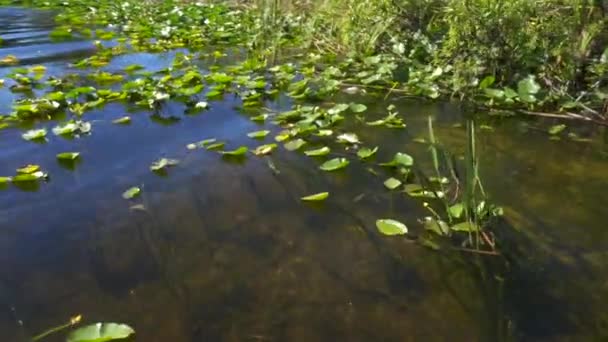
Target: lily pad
(324, 132)
(101, 332)
(28, 169)
(68, 156)
(34, 134)
(316, 197)
(125, 120)
(358, 108)
(163, 163)
(258, 134)
(29, 177)
(391, 227)
(557, 129)
(215, 146)
(295, 144)
(348, 138)
(131, 193)
(72, 127)
(392, 183)
(334, 164)
(400, 159)
(237, 152)
(318, 152)
(366, 152)
(264, 149)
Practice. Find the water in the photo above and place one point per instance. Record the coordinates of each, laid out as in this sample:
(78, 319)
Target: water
(226, 251)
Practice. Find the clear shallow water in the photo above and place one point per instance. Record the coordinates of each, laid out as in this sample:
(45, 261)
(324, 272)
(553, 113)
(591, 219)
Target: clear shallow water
(226, 251)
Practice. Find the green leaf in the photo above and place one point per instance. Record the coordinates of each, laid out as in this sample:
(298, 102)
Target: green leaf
(416, 190)
(258, 134)
(456, 210)
(324, 132)
(391, 227)
(318, 152)
(365, 152)
(316, 197)
(334, 164)
(604, 57)
(238, 152)
(468, 227)
(528, 86)
(131, 193)
(68, 155)
(348, 138)
(294, 144)
(392, 183)
(400, 159)
(259, 118)
(100, 332)
(4, 180)
(438, 227)
(34, 134)
(264, 149)
(557, 129)
(494, 93)
(215, 146)
(125, 120)
(29, 177)
(163, 163)
(488, 81)
(357, 107)
(28, 169)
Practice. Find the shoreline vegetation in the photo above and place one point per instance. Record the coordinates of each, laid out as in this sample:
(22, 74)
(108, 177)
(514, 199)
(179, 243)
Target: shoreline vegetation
(547, 58)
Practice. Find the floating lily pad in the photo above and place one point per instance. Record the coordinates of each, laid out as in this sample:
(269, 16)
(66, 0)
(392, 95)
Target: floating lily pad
(101, 332)
(131, 193)
(125, 120)
(324, 132)
(72, 127)
(34, 134)
(237, 152)
(334, 164)
(316, 197)
(215, 146)
(68, 156)
(400, 159)
(258, 134)
(557, 129)
(365, 152)
(392, 183)
(29, 177)
(318, 152)
(348, 138)
(391, 227)
(295, 144)
(163, 163)
(358, 108)
(30, 168)
(264, 149)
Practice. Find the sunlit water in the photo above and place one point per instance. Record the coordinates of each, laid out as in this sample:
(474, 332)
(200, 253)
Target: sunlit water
(226, 251)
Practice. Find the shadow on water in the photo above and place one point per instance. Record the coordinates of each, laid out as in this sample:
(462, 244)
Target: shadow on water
(220, 250)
